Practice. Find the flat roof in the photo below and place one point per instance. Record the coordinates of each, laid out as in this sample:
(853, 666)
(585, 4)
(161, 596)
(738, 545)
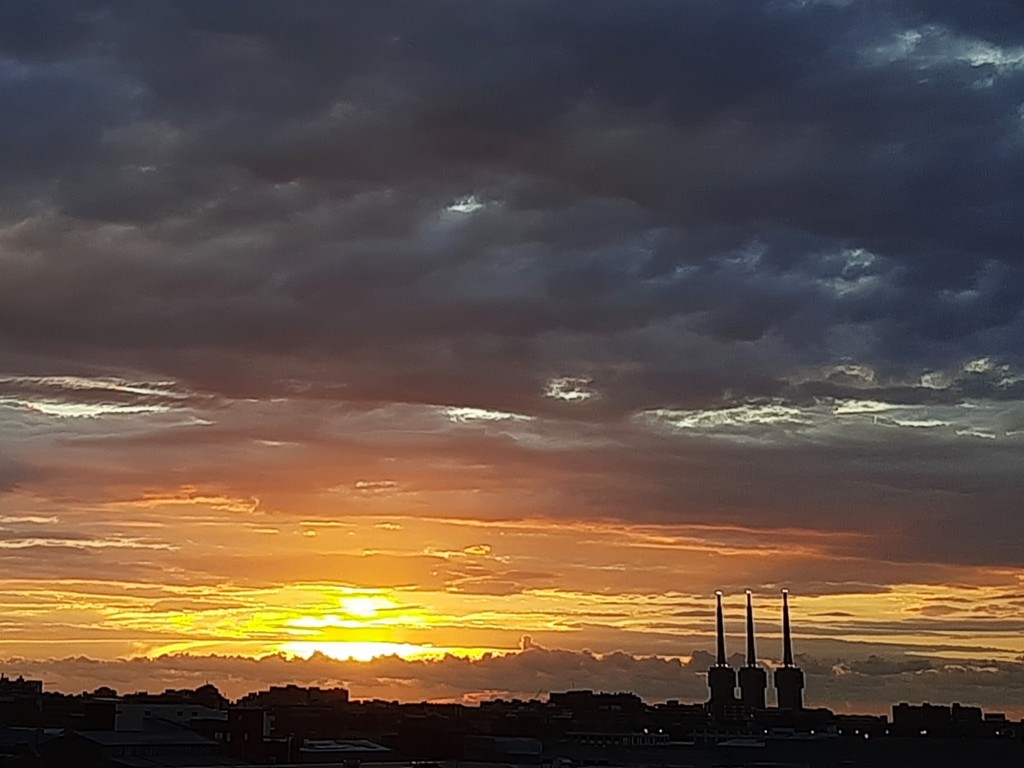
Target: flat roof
(341, 745)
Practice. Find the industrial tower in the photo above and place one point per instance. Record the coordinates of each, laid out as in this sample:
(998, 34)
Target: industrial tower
(721, 677)
(753, 679)
(789, 678)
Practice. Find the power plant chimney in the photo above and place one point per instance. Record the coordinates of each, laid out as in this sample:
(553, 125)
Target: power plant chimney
(751, 652)
(721, 677)
(753, 679)
(789, 679)
(721, 661)
(787, 633)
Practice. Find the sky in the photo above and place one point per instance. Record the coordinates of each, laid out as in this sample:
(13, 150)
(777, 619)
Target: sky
(458, 349)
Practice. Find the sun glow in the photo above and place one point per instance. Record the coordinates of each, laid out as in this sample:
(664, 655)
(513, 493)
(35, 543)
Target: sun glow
(367, 651)
(366, 607)
(360, 612)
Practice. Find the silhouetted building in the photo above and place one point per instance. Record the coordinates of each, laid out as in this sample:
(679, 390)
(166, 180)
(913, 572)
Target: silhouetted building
(155, 747)
(294, 695)
(588, 701)
(721, 677)
(337, 751)
(862, 726)
(923, 719)
(19, 686)
(753, 679)
(21, 701)
(789, 678)
(205, 696)
(131, 716)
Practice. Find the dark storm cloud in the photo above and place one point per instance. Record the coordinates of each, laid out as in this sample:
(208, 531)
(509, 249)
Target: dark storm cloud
(998, 20)
(687, 205)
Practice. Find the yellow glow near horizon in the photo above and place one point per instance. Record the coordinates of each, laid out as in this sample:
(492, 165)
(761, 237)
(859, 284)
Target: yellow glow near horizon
(367, 651)
(395, 587)
(359, 611)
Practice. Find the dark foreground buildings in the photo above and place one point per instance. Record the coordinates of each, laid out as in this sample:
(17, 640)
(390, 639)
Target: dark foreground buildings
(739, 725)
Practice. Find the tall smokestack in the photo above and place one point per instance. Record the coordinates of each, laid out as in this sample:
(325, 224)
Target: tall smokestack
(753, 679)
(721, 661)
(751, 652)
(789, 678)
(721, 677)
(787, 634)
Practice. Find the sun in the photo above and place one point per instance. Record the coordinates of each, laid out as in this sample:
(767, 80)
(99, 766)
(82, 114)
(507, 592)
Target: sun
(366, 606)
(362, 626)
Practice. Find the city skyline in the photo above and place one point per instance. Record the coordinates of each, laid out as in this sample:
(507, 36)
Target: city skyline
(462, 349)
(735, 703)
(737, 684)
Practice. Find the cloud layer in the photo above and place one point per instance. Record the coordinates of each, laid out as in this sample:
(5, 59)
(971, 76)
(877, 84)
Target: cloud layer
(735, 283)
